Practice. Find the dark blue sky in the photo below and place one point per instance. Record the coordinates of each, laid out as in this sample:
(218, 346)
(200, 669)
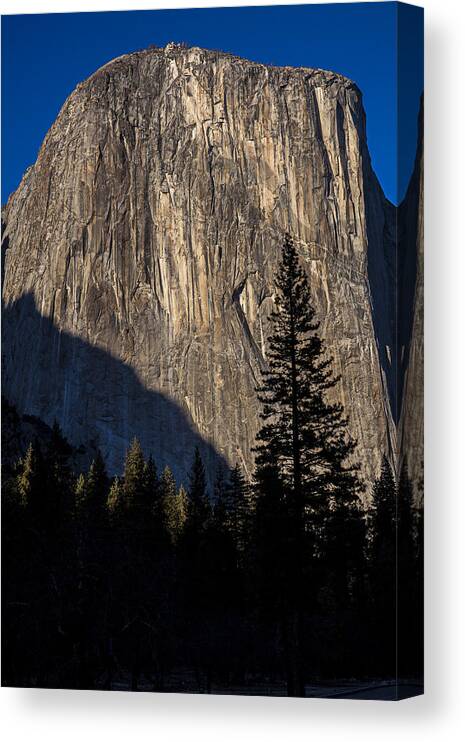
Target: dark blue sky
(45, 56)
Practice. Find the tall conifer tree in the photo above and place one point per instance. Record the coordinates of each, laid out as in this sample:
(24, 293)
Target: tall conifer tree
(30, 480)
(383, 517)
(115, 498)
(80, 495)
(151, 488)
(174, 506)
(198, 503)
(134, 471)
(97, 485)
(238, 507)
(303, 434)
(220, 503)
(304, 440)
(57, 494)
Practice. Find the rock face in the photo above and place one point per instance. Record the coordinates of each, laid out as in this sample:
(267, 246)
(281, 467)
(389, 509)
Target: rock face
(141, 250)
(411, 344)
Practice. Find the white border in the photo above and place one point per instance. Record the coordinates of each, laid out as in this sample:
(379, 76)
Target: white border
(53, 715)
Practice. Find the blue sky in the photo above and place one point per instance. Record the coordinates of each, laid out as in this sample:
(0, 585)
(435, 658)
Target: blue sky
(45, 56)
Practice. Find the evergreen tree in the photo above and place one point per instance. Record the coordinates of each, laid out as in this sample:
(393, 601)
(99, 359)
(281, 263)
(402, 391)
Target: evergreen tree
(134, 475)
(198, 503)
(220, 501)
(80, 494)
(91, 492)
(182, 504)
(58, 480)
(97, 486)
(303, 434)
(115, 498)
(151, 489)
(30, 479)
(168, 483)
(383, 518)
(238, 507)
(304, 440)
(23, 583)
(174, 506)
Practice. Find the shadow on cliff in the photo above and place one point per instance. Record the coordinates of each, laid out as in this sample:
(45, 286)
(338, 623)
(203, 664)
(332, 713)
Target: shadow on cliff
(392, 271)
(97, 399)
(408, 222)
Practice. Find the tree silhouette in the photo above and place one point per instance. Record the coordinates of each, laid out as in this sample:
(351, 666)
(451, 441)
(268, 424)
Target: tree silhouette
(151, 486)
(174, 506)
(238, 508)
(80, 494)
(198, 510)
(115, 497)
(220, 501)
(134, 475)
(30, 479)
(97, 486)
(383, 574)
(305, 439)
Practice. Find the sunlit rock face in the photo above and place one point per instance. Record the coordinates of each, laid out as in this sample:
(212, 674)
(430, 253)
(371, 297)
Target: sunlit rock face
(142, 247)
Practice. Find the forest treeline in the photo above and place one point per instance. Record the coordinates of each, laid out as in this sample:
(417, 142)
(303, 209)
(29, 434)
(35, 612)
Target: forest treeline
(134, 582)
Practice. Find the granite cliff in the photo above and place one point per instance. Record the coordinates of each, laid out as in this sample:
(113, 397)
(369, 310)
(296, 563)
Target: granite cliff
(140, 251)
(410, 335)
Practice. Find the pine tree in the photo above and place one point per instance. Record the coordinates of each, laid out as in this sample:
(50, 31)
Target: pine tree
(58, 492)
(151, 488)
(91, 495)
(182, 504)
(198, 503)
(97, 485)
(30, 479)
(383, 517)
(80, 494)
(36, 493)
(238, 507)
(115, 498)
(303, 434)
(168, 483)
(304, 441)
(134, 475)
(220, 503)
(174, 506)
